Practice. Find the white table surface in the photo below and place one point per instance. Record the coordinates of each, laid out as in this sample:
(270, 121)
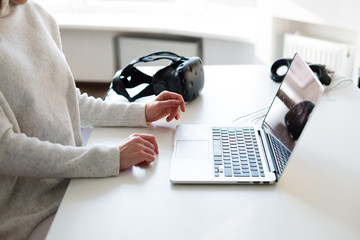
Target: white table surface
(317, 197)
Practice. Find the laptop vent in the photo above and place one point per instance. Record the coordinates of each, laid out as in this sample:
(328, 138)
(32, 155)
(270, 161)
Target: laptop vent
(336, 56)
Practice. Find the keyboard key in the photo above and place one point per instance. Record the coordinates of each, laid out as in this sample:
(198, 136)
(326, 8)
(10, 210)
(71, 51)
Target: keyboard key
(228, 172)
(227, 165)
(236, 167)
(217, 148)
(242, 175)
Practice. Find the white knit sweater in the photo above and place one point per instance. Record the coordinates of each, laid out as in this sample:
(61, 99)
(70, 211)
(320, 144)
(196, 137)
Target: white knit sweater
(41, 113)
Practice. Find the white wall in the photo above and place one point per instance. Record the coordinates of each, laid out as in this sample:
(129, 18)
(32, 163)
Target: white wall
(91, 54)
(256, 37)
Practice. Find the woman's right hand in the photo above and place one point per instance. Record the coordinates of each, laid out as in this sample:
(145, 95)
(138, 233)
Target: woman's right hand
(137, 149)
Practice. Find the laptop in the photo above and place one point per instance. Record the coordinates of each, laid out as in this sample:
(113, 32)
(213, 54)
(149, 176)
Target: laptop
(205, 154)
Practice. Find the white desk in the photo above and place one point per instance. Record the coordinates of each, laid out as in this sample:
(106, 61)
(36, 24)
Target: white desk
(305, 204)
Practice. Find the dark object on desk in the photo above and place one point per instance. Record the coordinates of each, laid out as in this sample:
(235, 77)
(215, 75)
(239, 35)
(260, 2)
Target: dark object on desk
(320, 70)
(282, 62)
(297, 117)
(184, 76)
(322, 73)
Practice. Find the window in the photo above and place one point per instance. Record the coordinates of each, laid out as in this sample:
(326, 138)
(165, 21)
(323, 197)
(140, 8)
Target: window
(135, 0)
(195, 18)
(151, 6)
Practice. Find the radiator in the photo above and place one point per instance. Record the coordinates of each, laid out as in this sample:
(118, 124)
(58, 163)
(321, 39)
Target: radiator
(337, 56)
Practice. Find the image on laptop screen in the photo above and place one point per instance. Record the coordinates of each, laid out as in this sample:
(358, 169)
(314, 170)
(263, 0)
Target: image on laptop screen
(293, 103)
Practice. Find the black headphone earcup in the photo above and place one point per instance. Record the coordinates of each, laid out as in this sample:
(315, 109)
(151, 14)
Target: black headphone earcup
(321, 73)
(276, 66)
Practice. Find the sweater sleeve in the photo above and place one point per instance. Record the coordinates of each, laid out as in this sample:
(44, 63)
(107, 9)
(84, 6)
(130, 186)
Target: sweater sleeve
(21, 155)
(96, 112)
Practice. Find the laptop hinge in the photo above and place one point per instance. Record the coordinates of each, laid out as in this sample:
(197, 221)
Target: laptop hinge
(268, 155)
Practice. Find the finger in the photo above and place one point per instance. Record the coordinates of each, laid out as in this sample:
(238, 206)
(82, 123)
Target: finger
(170, 117)
(177, 116)
(182, 104)
(149, 140)
(139, 145)
(165, 95)
(172, 108)
(146, 147)
(143, 164)
(141, 153)
(148, 158)
(140, 142)
(175, 113)
(170, 104)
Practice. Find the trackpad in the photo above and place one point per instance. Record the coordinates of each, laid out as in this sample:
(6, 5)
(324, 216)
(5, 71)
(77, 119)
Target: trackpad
(187, 149)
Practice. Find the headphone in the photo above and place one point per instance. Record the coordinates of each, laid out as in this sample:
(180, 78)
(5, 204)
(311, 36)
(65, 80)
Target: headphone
(184, 76)
(320, 70)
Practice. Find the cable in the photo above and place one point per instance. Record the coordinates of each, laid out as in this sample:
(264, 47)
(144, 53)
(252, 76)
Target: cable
(254, 120)
(337, 82)
(259, 114)
(256, 117)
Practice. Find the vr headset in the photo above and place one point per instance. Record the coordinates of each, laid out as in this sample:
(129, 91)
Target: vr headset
(184, 76)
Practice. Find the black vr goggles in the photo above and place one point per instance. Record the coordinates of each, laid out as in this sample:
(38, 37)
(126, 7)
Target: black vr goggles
(184, 76)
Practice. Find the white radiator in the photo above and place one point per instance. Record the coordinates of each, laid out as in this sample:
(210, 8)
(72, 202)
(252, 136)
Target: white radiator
(337, 56)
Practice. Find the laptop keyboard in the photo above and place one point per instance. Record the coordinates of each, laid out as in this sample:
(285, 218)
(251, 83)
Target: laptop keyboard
(281, 153)
(236, 153)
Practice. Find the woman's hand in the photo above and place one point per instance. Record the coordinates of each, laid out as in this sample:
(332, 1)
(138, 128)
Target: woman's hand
(142, 148)
(137, 149)
(165, 104)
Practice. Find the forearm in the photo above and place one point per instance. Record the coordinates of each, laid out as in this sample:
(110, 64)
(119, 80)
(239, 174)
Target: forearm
(96, 112)
(24, 156)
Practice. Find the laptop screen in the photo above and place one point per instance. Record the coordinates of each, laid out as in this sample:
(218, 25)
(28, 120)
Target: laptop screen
(293, 103)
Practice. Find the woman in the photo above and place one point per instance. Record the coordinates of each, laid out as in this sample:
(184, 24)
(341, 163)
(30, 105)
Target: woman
(41, 114)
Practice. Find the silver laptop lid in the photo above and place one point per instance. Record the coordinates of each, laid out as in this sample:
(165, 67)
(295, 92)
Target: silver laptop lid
(293, 103)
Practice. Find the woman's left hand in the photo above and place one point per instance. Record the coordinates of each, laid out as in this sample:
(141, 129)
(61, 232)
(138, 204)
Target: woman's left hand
(165, 104)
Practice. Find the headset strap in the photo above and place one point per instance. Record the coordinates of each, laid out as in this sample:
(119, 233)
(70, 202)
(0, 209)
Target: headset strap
(136, 77)
(159, 56)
